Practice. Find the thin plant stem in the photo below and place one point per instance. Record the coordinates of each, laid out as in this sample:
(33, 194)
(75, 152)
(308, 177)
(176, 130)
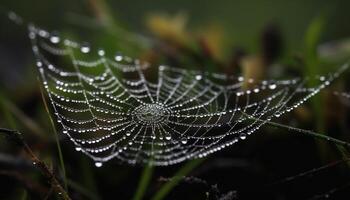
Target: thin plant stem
(102, 13)
(60, 154)
(167, 187)
(309, 172)
(82, 190)
(44, 169)
(303, 131)
(21, 116)
(144, 182)
(7, 115)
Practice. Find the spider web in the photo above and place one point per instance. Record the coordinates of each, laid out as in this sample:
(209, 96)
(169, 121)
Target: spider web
(111, 107)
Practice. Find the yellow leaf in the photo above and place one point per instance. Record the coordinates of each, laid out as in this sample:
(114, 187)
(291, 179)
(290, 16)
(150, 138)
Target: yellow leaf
(168, 27)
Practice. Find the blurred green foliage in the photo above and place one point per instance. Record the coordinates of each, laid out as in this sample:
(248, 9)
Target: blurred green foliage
(203, 34)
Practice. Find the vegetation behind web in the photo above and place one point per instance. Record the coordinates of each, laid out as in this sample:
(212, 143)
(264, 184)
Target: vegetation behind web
(256, 39)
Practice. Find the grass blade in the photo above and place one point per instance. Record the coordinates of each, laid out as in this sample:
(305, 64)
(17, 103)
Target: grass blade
(60, 155)
(167, 187)
(145, 179)
(303, 131)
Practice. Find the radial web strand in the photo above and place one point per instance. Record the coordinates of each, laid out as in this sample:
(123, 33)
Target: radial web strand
(112, 106)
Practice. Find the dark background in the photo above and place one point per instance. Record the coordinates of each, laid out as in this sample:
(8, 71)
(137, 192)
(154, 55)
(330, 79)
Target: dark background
(249, 169)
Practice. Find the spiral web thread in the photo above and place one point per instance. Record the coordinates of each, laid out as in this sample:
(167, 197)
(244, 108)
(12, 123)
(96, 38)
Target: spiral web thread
(108, 108)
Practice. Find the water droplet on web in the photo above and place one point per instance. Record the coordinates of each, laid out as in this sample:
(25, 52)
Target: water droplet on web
(184, 140)
(198, 77)
(85, 48)
(98, 164)
(31, 35)
(14, 17)
(43, 33)
(39, 64)
(128, 133)
(168, 137)
(272, 86)
(118, 57)
(78, 148)
(55, 38)
(243, 136)
(101, 52)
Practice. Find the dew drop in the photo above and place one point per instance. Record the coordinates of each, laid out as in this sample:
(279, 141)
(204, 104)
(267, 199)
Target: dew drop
(14, 17)
(55, 38)
(98, 164)
(243, 136)
(85, 48)
(31, 35)
(101, 52)
(39, 64)
(43, 33)
(167, 137)
(78, 148)
(184, 141)
(118, 57)
(272, 86)
(198, 77)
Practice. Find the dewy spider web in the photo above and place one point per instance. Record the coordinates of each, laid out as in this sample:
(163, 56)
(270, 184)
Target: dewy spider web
(109, 109)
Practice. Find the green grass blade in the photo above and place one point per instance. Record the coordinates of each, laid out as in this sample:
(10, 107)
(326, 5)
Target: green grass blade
(82, 190)
(87, 178)
(167, 187)
(312, 38)
(24, 195)
(303, 131)
(144, 182)
(7, 115)
(22, 118)
(312, 61)
(60, 154)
